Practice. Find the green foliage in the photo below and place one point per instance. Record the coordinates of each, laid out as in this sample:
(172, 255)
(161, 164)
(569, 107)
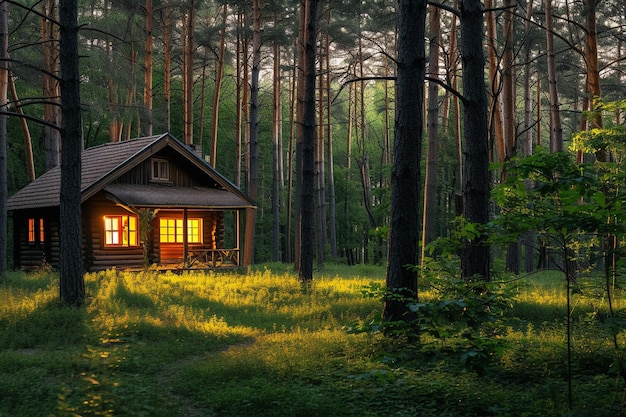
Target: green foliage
(567, 204)
(577, 211)
(161, 344)
(460, 315)
(611, 137)
(462, 232)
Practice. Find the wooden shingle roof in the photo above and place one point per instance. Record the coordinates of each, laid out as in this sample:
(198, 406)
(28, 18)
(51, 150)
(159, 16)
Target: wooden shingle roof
(164, 196)
(104, 163)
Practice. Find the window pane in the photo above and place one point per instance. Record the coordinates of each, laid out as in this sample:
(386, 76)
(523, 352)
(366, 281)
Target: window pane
(41, 231)
(164, 170)
(132, 231)
(112, 230)
(168, 230)
(179, 230)
(125, 230)
(194, 227)
(172, 231)
(119, 230)
(31, 230)
(160, 170)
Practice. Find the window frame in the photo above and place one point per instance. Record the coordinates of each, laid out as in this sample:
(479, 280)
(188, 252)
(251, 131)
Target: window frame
(36, 232)
(118, 234)
(162, 173)
(174, 230)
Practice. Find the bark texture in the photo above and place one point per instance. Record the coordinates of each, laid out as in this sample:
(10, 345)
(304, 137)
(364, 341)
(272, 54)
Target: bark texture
(72, 283)
(475, 187)
(305, 272)
(405, 175)
(4, 81)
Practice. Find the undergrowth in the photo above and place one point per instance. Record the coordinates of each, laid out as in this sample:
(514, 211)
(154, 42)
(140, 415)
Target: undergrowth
(257, 343)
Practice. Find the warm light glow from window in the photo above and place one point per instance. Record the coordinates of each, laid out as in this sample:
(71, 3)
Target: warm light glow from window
(121, 231)
(194, 230)
(171, 230)
(168, 230)
(35, 231)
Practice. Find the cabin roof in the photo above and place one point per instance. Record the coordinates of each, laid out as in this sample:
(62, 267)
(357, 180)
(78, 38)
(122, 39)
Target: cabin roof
(101, 165)
(164, 196)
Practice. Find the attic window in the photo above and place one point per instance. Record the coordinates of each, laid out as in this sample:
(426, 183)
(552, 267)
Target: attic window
(160, 170)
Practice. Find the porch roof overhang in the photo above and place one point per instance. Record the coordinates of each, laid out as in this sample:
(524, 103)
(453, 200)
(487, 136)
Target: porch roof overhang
(164, 196)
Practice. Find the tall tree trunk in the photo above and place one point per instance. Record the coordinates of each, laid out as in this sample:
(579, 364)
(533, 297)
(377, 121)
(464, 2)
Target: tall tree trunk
(188, 47)
(300, 97)
(4, 81)
(147, 84)
(351, 121)
(131, 94)
(361, 136)
(115, 122)
(253, 146)
(582, 125)
(405, 174)
(539, 111)
(432, 131)
(167, 63)
(346, 200)
(203, 83)
(72, 283)
(332, 209)
(52, 139)
(454, 82)
(593, 70)
(508, 81)
(496, 123)
(292, 131)
(276, 155)
(527, 144)
(245, 108)
(529, 237)
(387, 154)
(219, 74)
(320, 189)
(305, 272)
(238, 96)
(513, 254)
(556, 131)
(475, 260)
(366, 185)
(28, 143)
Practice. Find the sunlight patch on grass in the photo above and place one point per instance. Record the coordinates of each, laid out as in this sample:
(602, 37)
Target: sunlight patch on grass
(260, 343)
(22, 294)
(141, 304)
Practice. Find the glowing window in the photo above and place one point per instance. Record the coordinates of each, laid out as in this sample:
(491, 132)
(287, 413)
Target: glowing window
(121, 231)
(35, 231)
(171, 230)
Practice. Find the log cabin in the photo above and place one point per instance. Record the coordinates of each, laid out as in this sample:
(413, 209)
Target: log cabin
(150, 201)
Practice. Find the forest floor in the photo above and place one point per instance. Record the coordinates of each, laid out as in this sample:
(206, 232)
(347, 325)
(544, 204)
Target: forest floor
(259, 344)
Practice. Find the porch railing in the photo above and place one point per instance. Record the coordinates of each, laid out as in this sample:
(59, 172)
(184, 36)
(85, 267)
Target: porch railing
(214, 257)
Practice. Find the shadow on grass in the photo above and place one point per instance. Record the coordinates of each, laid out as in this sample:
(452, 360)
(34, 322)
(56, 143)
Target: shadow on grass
(50, 325)
(38, 350)
(56, 360)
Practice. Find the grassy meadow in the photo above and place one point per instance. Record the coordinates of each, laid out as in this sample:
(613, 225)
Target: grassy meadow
(259, 344)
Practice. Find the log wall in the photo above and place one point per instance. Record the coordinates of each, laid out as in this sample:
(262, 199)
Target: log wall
(96, 255)
(99, 257)
(29, 256)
